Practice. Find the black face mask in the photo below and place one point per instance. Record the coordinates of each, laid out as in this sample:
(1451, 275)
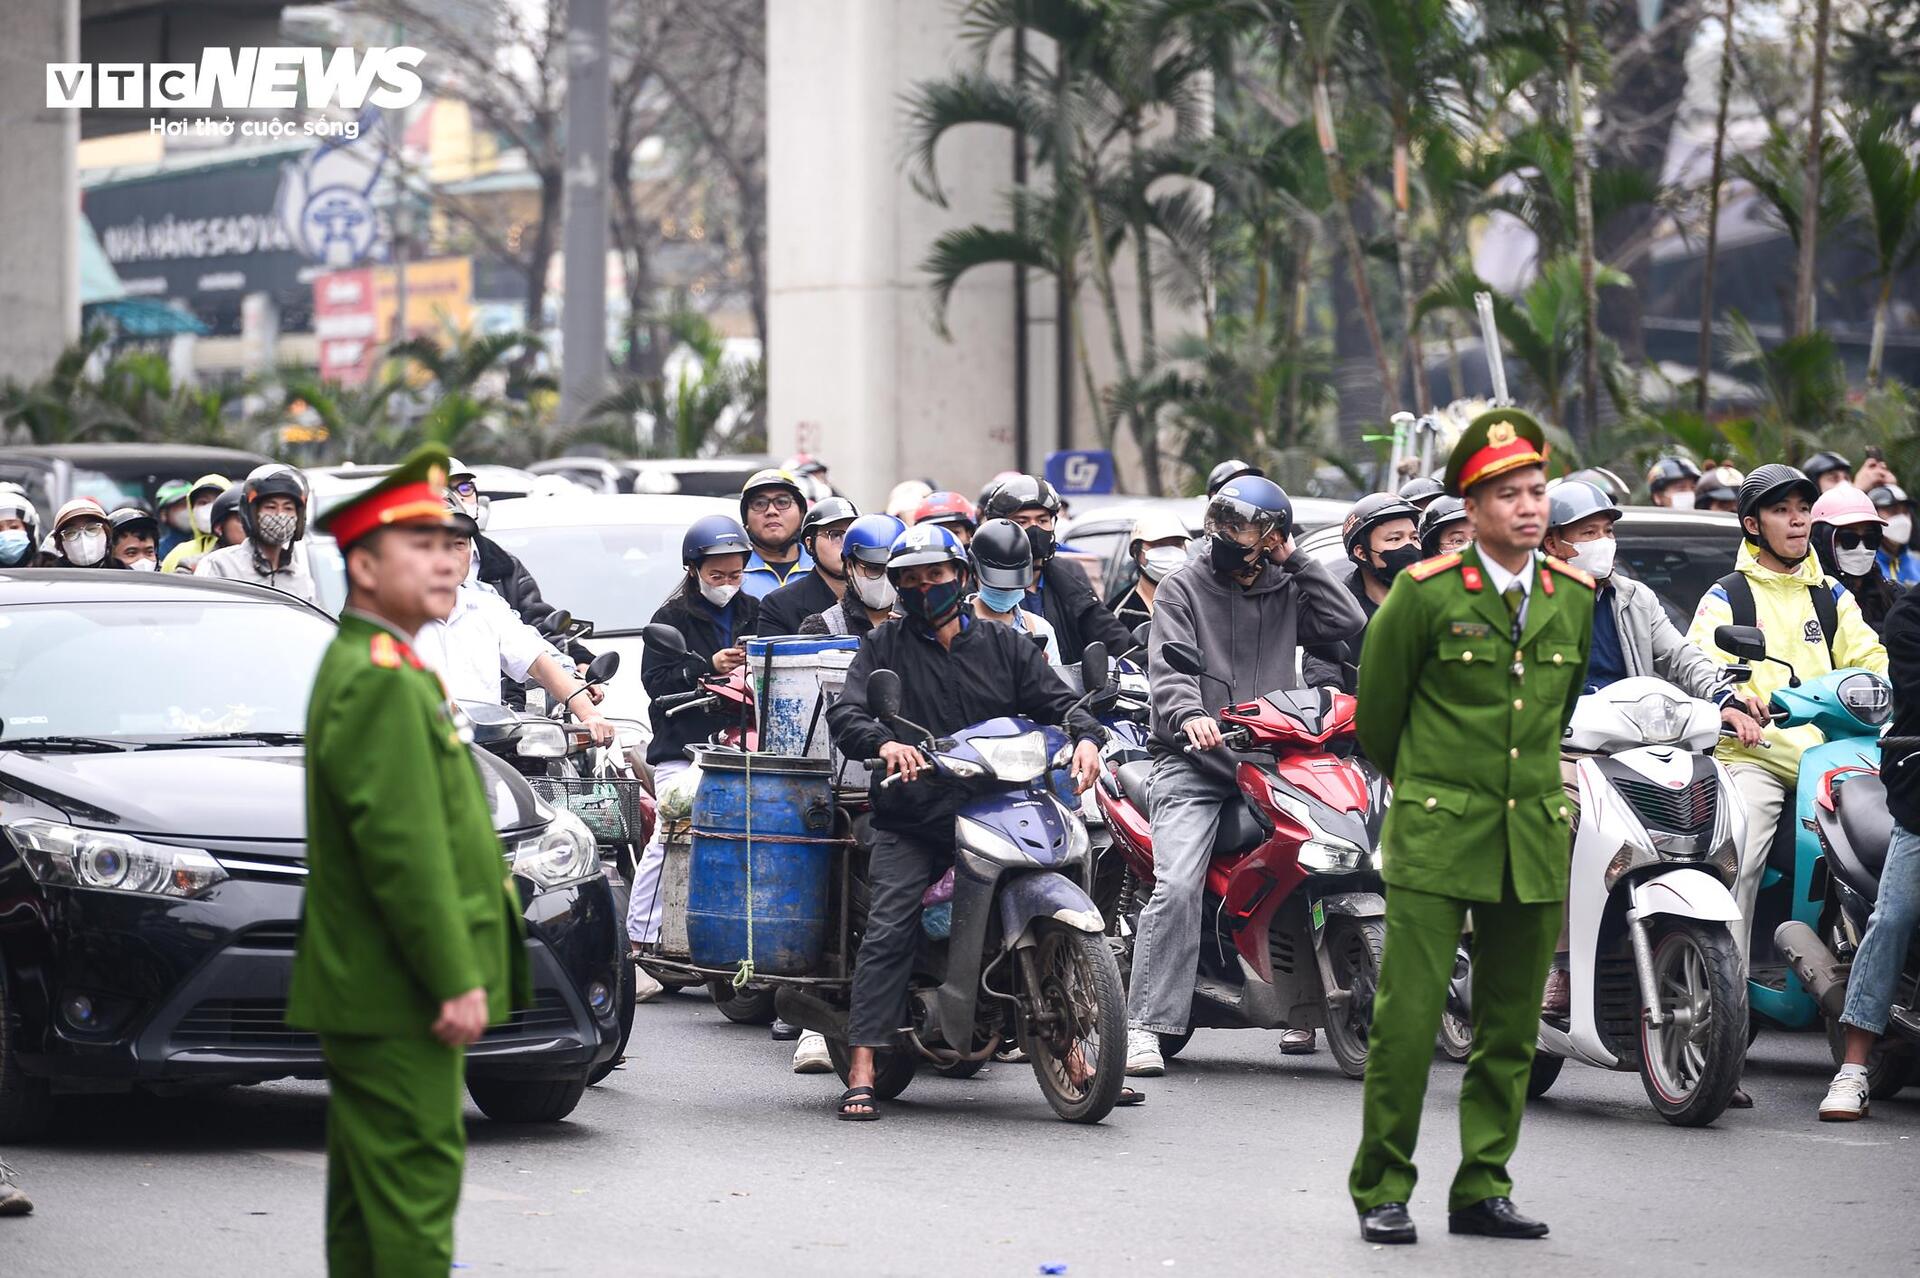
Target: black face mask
(1394, 562)
(933, 606)
(1042, 541)
(1228, 556)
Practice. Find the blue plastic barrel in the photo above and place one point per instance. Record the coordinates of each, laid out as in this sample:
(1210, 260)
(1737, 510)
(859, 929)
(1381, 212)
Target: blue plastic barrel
(790, 853)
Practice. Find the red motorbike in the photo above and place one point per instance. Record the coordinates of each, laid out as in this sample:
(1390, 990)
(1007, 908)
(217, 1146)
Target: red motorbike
(1292, 916)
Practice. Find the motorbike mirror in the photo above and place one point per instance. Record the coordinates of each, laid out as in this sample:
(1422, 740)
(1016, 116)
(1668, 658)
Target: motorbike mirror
(1142, 633)
(557, 622)
(1748, 643)
(664, 639)
(883, 694)
(1184, 657)
(603, 667)
(1093, 666)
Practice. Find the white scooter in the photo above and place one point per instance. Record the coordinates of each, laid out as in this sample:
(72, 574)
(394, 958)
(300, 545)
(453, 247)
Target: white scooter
(1657, 985)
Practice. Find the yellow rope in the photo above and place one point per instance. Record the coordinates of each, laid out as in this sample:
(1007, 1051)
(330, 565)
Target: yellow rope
(745, 974)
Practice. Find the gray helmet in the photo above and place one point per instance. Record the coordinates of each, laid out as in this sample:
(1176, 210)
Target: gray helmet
(1887, 495)
(1442, 512)
(1574, 500)
(1824, 463)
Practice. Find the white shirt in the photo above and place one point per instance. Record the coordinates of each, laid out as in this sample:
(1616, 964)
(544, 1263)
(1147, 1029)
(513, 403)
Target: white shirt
(1031, 623)
(482, 640)
(1499, 578)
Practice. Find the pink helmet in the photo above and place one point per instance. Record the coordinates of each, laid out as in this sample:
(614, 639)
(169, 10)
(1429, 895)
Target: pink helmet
(1843, 504)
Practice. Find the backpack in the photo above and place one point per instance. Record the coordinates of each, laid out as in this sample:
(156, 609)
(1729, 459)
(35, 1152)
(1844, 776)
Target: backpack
(1746, 613)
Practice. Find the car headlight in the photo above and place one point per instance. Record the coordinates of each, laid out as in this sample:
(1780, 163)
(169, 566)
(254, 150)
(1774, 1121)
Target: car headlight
(1016, 759)
(563, 853)
(1662, 720)
(68, 856)
(547, 740)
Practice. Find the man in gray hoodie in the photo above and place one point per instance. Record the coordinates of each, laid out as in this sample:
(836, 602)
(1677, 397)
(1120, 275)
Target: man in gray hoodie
(1247, 602)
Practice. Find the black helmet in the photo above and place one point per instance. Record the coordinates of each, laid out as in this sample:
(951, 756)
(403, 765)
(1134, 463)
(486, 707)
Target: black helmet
(1603, 479)
(771, 477)
(1575, 500)
(226, 506)
(1369, 513)
(828, 510)
(131, 519)
(1671, 470)
(1002, 555)
(272, 481)
(1722, 483)
(1442, 512)
(713, 535)
(1824, 463)
(1773, 483)
(1421, 490)
(1019, 492)
(1888, 495)
(1231, 469)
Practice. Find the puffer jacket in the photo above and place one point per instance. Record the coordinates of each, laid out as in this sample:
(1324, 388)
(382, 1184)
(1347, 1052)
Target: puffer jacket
(1784, 611)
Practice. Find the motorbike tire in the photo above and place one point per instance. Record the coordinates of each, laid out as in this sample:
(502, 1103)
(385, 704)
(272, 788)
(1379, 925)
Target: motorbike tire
(751, 1006)
(1714, 1051)
(1354, 946)
(624, 1006)
(892, 1071)
(527, 1100)
(26, 1103)
(1545, 1073)
(1061, 950)
(1171, 1045)
(1456, 1023)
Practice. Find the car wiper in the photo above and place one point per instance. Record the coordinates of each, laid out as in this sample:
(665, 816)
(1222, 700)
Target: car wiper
(266, 738)
(68, 745)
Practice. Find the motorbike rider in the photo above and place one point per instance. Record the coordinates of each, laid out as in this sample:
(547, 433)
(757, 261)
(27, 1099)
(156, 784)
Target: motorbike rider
(1848, 535)
(1444, 527)
(822, 532)
(950, 510)
(132, 540)
(19, 527)
(1877, 964)
(772, 506)
(954, 672)
(273, 511)
(1810, 621)
(80, 532)
(1381, 538)
(1718, 489)
(1898, 558)
(905, 497)
(200, 522)
(870, 595)
(1157, 547)
(1246, 606)
(1826, 469)
(1421, 492)
(1060, 592)
(1003, 568)
(174, 514)
(1670, 482)
(1228, 471)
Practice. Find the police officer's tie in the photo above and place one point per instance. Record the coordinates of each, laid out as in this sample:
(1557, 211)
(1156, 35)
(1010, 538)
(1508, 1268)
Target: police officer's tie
(1514, 596)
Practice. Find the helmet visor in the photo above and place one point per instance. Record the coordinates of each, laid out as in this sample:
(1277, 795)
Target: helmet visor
(1239, 521)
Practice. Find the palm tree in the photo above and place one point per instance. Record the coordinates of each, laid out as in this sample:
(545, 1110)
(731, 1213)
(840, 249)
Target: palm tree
(1814, 173)
(1773, 171)
(1714, 180)
(358, 420)
(1882, 149)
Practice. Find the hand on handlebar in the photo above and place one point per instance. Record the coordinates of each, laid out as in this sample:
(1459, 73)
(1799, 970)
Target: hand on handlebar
(903, 761)
(1085, 766)
(1202, 734)
(602, 730)
(1742, 724)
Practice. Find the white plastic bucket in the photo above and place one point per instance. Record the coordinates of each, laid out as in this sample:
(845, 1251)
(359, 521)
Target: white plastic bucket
(795, 680)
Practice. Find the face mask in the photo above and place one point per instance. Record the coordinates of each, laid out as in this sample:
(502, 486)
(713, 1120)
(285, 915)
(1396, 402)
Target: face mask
(718, 596)
(144, 565)
(84, 549)
(998, 600)
(1680, 499)
(1042, 542)
(876, 593)
(180, 520)
(1899, 529)
(1595, 558)
(1857, 562)
(15, 546)
(1396, 561)
(1161, 560)
(933, 606)
(278, 530)
(1228, 556)
(202, 519)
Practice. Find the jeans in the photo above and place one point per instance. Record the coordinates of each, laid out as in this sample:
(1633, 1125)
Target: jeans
(900, 868)
(643, 906)
(1883, 950)
(1166, 954)
(1763, 794)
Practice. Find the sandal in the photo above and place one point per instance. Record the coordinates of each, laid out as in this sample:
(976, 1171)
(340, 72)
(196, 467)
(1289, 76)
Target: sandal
(1128, 1096)
(858, 1096)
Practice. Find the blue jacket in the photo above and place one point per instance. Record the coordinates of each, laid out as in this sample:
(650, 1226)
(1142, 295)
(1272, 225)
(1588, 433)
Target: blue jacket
(760, 579)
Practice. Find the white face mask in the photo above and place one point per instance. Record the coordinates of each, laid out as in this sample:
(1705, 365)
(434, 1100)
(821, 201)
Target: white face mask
(1595, 558)
(1857, 562)
(84, 549)
(877, 593)
(1681, 499)
(143, 565)
(718, 596)
(203, 519)
(1899, 529)
(1161, 560)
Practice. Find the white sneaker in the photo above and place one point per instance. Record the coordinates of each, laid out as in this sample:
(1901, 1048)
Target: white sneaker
(810, 1054)
(645, 988)
(1846, 1099)
(1143, 1054)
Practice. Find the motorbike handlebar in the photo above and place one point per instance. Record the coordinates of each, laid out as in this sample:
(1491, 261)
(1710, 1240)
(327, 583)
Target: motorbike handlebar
(699, 699)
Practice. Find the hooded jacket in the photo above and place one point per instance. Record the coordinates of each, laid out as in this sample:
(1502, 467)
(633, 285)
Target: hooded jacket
(1900, 769)
(1784, 611)
(1248, 636)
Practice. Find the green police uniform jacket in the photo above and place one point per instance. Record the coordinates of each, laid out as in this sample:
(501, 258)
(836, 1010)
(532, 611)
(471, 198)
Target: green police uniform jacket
(1469, 727)
(408, 900)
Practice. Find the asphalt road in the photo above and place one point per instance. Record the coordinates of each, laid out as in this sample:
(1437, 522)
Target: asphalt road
(704, 1155)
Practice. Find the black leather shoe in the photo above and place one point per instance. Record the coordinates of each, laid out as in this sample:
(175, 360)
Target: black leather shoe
(783, 1032)
(1388, 1224)
(1494, 1218)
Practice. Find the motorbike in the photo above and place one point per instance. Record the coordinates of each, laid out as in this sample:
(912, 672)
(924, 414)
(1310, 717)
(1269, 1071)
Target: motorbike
(1293, 920)
(1023, 955)
(1654, 965)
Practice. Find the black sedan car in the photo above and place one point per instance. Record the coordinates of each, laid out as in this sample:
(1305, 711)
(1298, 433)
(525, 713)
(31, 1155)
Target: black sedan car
(152, 853)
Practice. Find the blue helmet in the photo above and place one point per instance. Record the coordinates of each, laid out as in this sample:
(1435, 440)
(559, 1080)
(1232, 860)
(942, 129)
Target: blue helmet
(870, 538)
(714, 535)
(926, 544)
(1252, 499)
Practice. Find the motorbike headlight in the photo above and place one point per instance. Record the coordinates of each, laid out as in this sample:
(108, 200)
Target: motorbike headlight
(1015, 759)
(547, 740)
(562, 853)
(1662, 719)
(68, 856)
(1867, 697)
(1327, 855)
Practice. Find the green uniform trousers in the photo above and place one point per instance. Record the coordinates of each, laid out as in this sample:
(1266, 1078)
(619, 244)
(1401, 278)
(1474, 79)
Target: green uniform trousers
(396, 1145)
(1512, 944)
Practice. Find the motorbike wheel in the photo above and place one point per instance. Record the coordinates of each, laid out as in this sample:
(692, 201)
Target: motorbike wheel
(1546, 1072)
(624, 1007)
(892, 1071)
(1354, 947)
(750, 1006)
(1081, 1065)
(1456, 1025)
(1691, 1065)
(527, 1100)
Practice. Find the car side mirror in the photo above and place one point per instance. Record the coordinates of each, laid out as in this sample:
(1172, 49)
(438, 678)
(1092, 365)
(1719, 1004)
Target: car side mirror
(664, 640)
(603, 667)
(883, 694)
(1184, 657)
(1093, 666)
(1748, 643)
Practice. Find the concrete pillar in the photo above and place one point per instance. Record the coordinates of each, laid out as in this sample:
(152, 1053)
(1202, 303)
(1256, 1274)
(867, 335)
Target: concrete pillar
(39, 191)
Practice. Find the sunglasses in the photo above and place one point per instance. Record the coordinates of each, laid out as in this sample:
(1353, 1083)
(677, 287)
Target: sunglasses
(1853, 539)
(466, 488)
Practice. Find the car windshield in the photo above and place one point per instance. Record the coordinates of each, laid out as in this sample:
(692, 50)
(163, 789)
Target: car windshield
(1680, 567)
(156, 668)
(615, 575)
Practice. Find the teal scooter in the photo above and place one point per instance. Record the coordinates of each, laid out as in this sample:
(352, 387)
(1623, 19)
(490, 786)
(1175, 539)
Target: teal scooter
(1850, 706)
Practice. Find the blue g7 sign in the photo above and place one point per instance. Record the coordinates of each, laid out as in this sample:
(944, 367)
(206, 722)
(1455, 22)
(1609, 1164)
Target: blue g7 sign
(1081, 471)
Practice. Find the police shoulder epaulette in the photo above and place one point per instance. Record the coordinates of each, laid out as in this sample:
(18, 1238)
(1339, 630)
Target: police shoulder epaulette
(1566, 569)
(384, 652)
(1430, 567)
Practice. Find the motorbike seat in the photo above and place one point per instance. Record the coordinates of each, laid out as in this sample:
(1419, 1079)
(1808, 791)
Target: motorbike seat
(1866, 828)
(1133, 778)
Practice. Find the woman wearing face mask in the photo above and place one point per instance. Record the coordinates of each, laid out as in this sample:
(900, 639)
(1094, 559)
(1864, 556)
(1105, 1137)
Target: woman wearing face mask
(1158, 547)
(1002, 557)
(1848, 536)
(80, 532)
(1899, 561)
(273, 512)
(203, 537)
(1382, 538)
(19, 527)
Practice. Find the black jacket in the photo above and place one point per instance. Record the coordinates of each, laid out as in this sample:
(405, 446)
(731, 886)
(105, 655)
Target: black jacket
(991, 670)
(1076, 613)
(510, 578)
(782, 611)
(661, 676)
(1900, 769)
(1337, 664)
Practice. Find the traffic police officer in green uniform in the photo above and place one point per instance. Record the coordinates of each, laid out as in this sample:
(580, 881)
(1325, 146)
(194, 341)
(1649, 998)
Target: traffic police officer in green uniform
(411, 943)
(1469, 674)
